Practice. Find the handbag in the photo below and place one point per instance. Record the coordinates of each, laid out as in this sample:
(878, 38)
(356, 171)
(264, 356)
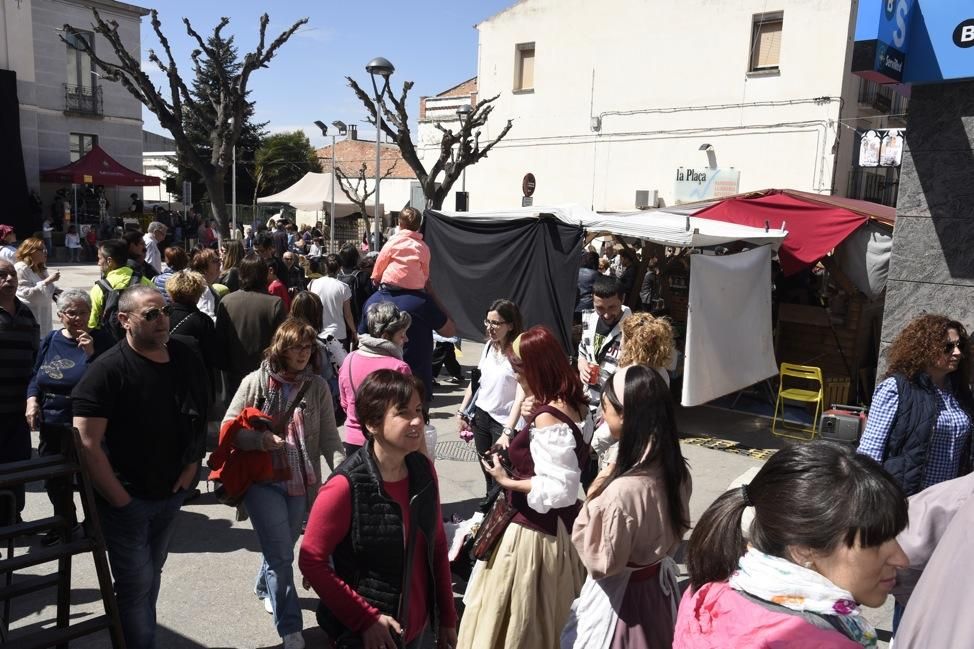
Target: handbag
(492, 528)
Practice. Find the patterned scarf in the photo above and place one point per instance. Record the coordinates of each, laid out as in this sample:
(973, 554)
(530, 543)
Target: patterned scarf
(788, 584)
(293, 456)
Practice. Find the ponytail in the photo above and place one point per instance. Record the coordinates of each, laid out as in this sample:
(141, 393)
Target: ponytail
(717, 542)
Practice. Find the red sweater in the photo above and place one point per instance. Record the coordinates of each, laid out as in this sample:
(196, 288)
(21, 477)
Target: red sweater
(330, 522)
(277, 288)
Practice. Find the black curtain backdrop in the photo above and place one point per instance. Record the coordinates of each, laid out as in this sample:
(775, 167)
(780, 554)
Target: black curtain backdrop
(532, 261)
(13, 176)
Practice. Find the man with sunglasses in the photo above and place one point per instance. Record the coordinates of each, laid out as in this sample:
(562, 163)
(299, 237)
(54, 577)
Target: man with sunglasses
(141, 411)
(19, 340)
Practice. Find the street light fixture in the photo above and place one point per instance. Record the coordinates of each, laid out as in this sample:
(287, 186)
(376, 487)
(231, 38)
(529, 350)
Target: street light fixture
(342, 130)
(384, 68)
(463, 114)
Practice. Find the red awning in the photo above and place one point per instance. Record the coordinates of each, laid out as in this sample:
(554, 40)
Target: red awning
(97, 168)
(815, 224)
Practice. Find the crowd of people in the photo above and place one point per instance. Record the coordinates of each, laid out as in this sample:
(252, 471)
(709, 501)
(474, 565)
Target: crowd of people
(335, 361)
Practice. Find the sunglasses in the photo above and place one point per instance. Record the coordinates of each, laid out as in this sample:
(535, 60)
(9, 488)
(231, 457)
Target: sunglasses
(951, 345)
(152, 314)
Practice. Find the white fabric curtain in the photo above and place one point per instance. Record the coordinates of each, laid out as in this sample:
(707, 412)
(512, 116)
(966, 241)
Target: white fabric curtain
(729, 344)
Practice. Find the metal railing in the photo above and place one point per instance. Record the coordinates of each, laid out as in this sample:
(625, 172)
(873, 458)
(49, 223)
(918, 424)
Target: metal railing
(82, 100)
(882, 99)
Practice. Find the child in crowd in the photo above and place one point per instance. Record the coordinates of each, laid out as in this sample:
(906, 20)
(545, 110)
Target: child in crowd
(404, 262)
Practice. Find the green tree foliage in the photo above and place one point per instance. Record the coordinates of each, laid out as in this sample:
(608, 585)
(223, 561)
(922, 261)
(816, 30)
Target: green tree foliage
(282, 160)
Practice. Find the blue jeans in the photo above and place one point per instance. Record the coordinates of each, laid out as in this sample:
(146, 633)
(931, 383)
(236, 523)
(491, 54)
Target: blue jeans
(277, 518)
(138, 538)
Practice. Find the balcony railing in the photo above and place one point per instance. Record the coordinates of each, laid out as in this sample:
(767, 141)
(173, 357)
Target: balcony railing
(882, 99)
(82, 100)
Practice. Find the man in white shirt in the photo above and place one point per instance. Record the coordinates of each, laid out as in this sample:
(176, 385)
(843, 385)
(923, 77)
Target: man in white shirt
(336, 304)
(153, 237)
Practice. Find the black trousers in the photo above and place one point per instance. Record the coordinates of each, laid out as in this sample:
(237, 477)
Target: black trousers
(445, 354)
(14, 447)
(60, 491)
(486, 432)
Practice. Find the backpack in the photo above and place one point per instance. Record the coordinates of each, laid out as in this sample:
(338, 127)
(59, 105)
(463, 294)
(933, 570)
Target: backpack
(109, 313)
(351, 280)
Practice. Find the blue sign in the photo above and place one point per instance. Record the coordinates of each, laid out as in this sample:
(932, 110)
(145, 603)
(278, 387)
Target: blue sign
(914, 41)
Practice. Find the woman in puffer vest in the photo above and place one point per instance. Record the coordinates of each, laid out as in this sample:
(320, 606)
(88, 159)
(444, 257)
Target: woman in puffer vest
(376, 526)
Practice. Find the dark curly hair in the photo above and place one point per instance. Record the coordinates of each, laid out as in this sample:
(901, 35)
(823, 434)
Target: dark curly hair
(921, 343)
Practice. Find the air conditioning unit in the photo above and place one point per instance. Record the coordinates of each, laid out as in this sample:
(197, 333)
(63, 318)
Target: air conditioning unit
(646, 198)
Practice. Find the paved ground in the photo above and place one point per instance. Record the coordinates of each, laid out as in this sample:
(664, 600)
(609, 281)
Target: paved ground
(207, 596)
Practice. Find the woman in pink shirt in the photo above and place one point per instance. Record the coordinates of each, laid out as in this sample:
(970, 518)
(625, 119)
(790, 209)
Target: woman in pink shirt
(380, 349)
(819, 540)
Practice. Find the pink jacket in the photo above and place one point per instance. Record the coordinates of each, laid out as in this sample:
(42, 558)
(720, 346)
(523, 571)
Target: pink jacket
(716, 617)
(356, 367)
(403, 262)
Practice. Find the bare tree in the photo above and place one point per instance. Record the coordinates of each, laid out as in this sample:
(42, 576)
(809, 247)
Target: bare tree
(395, 124)
(357, 189)
(228, 102)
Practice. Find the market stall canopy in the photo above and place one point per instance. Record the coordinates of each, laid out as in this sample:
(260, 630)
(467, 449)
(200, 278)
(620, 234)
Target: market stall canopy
(816, 224)
(98, 168)
(658, 226)
(314, 192)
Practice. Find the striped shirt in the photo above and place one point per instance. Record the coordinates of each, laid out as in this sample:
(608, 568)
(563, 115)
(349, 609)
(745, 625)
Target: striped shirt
(19, 340)
(947, 442)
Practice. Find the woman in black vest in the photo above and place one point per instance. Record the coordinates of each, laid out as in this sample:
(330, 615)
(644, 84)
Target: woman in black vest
(919, 425)
(376, 526)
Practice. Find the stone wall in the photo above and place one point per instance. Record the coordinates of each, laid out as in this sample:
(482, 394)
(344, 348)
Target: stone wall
(932, 266)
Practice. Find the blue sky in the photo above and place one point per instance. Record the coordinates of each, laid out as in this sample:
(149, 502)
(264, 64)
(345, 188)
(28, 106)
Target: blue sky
(431, 42)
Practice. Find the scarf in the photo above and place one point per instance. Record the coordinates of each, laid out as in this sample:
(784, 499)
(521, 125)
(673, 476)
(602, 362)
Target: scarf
(788, 584)
(293, 455)
(379, 346)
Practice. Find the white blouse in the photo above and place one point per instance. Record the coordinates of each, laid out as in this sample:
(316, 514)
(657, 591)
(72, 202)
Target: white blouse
(557, 476)
(38, 296)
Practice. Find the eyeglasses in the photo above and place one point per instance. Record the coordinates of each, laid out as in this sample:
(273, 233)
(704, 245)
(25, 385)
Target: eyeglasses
(152, 314)
(493, 324)
(951, 345)
(75, 315)
(301, 348)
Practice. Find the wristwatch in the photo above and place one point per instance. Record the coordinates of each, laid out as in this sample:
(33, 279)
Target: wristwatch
(508, 431)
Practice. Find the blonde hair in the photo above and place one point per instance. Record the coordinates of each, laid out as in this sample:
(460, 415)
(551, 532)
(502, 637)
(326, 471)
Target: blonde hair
(646, 341)
(27, 249)
(186, 286)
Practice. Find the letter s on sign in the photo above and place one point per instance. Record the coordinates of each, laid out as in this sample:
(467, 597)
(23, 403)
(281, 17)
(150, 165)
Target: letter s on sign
(899, 35)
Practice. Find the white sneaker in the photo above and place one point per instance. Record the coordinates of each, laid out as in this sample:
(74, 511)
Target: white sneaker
(294, 641)
(268, 605)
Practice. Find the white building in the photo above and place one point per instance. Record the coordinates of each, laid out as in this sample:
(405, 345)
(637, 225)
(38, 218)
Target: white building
(618, 96)
(65, 105)
(159, 160)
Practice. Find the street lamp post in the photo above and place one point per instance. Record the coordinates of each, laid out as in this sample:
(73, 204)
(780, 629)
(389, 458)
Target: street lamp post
(382, 67)
(342, 130)
(463, 114)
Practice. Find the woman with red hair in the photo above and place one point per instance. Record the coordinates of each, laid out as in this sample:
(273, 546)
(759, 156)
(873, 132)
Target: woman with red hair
(522, 595)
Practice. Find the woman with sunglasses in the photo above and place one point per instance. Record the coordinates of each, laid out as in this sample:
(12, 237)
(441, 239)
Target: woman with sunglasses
(287, 390)
(490, 411)
(919, 425)
(63, 358)
(520, 597)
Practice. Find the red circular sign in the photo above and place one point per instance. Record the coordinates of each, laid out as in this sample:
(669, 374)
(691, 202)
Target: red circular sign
(528, 184)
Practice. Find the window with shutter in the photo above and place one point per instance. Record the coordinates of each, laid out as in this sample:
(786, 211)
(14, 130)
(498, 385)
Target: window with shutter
(766, 42)
(524, 67)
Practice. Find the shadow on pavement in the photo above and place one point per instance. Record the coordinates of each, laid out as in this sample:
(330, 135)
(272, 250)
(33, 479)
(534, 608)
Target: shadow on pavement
(198, 533)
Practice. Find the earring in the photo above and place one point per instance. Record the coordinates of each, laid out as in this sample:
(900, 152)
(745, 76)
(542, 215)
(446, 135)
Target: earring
(807, 564)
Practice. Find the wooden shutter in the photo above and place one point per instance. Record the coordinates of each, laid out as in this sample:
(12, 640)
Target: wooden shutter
(767, 44)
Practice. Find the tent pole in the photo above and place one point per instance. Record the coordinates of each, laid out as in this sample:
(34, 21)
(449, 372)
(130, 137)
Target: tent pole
(74, 186)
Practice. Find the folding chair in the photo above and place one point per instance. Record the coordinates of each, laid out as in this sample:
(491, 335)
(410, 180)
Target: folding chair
(807, 375)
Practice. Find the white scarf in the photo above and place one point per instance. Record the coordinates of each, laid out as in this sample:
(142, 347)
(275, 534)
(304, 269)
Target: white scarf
(788, 584)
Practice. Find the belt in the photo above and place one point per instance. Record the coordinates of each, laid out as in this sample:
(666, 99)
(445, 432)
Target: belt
(645, 573)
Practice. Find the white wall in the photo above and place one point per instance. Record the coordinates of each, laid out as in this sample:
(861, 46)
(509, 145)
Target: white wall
(626, 61)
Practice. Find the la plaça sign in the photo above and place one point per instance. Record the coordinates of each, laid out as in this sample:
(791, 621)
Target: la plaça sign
(697, 184)
(907, 42)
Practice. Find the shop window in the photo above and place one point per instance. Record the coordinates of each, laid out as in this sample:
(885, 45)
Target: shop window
(766, 42)
(524, 67)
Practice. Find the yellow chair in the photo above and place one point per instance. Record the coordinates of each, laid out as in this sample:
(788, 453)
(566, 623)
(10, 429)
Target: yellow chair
(807, 374)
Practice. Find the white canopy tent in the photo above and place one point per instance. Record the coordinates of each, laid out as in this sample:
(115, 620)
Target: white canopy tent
(729, 340)
(314, 192)
(658, 226)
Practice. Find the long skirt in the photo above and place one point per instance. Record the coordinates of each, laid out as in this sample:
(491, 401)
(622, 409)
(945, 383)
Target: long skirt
(521, 597)
(646, 619)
